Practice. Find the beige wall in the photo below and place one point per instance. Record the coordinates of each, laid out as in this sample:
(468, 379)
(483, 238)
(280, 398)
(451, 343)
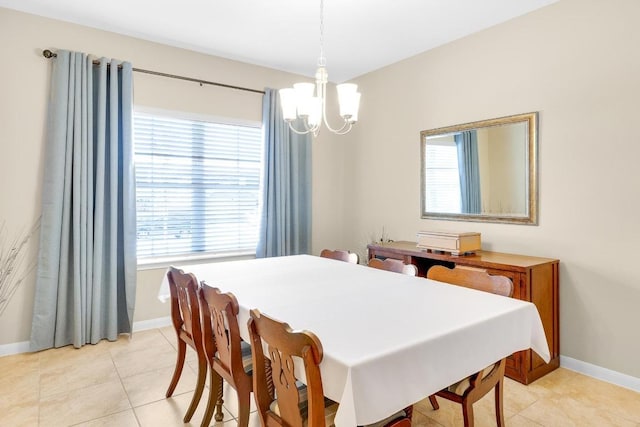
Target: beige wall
(24, 77)
(577, 63)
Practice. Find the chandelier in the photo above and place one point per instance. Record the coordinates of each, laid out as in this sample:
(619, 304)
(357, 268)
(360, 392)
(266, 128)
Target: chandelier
(308, 101)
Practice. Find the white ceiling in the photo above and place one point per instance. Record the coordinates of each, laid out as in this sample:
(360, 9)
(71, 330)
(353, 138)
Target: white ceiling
(360, 35)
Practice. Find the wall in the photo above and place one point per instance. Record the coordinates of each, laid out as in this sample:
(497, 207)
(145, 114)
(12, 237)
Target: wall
(509, 169)
(576, 63)
(24, 78)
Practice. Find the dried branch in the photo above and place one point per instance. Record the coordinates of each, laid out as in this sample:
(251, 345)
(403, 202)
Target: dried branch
(15, 264)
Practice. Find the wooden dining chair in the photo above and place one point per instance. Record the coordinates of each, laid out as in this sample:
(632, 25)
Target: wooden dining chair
(185, 315)
(229, 357)
(340, 255)
(281, 398)
(474, 387)
(395, 265)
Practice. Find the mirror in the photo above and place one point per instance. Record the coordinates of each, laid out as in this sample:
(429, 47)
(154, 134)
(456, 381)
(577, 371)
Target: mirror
(481, 171)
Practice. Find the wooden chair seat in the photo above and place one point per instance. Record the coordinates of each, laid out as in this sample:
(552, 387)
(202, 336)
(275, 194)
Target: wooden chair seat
(463, 385)
(245, 352)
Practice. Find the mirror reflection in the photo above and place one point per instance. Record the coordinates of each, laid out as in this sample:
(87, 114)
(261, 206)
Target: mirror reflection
(481, 171)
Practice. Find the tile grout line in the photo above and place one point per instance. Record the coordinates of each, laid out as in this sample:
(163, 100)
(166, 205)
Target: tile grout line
(135, 415)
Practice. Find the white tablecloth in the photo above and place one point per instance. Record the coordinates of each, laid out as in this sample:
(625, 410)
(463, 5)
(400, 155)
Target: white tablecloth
(389, 339)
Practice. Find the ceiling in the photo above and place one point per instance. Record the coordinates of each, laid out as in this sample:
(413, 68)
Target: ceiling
(359, 35)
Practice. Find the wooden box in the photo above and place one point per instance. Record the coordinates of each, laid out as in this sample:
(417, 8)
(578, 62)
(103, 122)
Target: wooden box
(455, 243)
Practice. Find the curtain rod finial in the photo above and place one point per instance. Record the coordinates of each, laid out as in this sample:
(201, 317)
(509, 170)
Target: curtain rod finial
(48, 54)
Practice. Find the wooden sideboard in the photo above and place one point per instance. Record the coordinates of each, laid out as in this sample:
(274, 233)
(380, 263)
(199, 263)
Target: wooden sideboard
(535, 279)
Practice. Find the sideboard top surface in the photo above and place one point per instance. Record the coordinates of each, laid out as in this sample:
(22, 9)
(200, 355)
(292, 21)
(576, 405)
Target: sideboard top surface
(480, 257)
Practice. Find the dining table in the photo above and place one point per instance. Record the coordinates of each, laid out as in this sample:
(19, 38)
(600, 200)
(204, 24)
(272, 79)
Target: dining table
(389, 340)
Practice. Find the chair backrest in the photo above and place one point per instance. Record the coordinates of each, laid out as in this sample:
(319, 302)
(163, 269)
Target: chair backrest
(283, 345)
(340, 255)
(185, 309)
(471, 278)
(394, 265)
(221, 334)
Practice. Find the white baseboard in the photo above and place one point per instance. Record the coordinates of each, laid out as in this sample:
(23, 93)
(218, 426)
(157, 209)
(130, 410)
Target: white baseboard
(14, 348)
(604, 374)
(143, 325)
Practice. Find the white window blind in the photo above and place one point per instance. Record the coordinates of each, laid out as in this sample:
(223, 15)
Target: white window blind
(442, 178)
(198, 186)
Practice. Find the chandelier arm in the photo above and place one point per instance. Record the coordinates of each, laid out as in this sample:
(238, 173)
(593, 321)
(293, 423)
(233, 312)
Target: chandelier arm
(343, 130)
(346, 127)
(307, 129)
(297, 131)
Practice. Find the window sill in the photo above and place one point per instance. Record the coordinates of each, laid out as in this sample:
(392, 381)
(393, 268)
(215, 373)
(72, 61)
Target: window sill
(165, 262)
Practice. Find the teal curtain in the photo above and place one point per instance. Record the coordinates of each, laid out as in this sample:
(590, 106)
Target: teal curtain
(86, 274)
(286, 213)
(469, 170)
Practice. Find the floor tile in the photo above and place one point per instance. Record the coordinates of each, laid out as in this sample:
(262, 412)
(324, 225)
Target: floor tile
(21, 388)
(130, 363)
(68, 408)
(68, 356)
(520, 421)
(19, 364)
(121, 419)
(564, 411)
(169, 412)
(84, 373)
(139, 341)
(420, 420)
(20, 414)
(591, 393)
(152, 386)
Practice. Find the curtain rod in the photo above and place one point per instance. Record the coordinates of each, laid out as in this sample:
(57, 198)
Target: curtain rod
(49, 54)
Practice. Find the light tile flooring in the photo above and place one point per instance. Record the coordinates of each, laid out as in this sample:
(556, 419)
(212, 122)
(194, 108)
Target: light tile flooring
(123, 384)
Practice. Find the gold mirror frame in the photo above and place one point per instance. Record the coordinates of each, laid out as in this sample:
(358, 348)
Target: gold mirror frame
(531, 216)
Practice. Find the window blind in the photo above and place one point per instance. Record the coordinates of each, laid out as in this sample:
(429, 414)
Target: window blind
(442, 178)
(198, 186)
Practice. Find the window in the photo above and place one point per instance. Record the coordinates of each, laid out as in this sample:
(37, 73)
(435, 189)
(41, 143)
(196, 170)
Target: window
(198, 186)
(442, 179)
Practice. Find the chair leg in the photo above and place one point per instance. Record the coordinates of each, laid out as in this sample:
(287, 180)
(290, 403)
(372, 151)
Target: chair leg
(215, 382)
(499, 398)
(467, 413)
(197, 393)
(219, 415)
(434, 402)
(182, 349)
(244, 406)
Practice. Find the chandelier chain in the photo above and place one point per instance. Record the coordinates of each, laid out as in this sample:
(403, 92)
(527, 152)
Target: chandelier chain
(322, 61)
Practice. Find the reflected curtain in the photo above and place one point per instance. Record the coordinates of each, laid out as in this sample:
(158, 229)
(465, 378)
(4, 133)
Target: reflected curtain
(86, 274)
(469, 170)
(286, 206)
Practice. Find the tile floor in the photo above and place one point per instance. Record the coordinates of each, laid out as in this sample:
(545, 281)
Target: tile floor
(123, 383)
